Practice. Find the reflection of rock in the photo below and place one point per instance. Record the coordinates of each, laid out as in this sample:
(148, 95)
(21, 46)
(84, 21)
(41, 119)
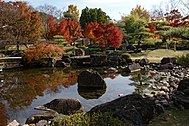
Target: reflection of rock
(91, 79)
(132, 108)
(64, 106)
(90, 93)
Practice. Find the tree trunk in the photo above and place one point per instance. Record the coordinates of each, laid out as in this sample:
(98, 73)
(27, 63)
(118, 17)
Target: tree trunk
(17, 45)
(175, 46)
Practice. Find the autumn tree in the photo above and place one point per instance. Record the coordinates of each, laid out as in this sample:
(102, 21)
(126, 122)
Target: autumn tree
(19, 24)
(52, 28)
(142, 13)
(72, 13)
(89, 31)
(108, 34)
(68, 28)
(93, 15)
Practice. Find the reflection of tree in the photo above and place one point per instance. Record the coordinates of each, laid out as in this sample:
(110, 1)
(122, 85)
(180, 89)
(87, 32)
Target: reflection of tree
(22, 86)
(112, 75)
(3, 115)
(141, 80)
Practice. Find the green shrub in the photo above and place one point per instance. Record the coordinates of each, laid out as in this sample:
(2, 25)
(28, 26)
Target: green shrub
(83, 119)
(126, 56)
(68, 48)
(183, 60)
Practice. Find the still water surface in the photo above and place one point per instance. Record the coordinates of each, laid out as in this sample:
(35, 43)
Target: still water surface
(22, 90)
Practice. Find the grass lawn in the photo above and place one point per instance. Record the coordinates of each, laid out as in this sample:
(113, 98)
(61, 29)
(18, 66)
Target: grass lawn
(158, 54)
(172, 118)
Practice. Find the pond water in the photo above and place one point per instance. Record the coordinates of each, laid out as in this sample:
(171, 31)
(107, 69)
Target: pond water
(22, 90)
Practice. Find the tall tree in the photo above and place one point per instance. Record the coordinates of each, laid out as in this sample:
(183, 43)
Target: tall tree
(18, 23)
(68, 28)
(141, 13)
(47, 11)
(108, 34)
(93, 15)
(89, 31)
(135, 29)
(72, 13)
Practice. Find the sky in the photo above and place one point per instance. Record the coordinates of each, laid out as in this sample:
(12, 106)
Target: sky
(113, 8)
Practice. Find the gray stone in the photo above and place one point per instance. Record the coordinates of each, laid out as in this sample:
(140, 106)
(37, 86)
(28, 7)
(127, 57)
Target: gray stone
(144, 62)
(183, 84)
(13, 123)
(166, 60)
(166, 66)
(133, 67)
(62, 106)
(133, 108)
(91, 79)
(35, 118)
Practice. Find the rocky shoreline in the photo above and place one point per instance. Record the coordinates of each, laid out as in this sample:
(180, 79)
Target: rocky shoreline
(170, 91)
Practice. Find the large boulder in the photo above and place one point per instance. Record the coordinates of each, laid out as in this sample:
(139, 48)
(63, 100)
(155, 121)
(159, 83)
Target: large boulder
(62, 106)
(181, 96)
(143, 62)
(133, 108)
(166, 60)
(168, 66)
(91, 79)
(183, 84)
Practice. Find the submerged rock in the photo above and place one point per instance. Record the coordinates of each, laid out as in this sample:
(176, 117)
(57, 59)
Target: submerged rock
(62, 106)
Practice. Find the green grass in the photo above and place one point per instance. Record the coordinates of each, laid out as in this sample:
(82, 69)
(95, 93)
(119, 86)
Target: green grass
(158, 54)
(172, 118)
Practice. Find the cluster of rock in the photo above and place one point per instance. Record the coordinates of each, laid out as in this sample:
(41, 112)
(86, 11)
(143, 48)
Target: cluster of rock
(171, 90)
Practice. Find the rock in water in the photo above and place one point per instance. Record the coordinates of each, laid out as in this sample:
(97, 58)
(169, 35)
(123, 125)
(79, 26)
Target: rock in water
(91, 79)
(62, 106)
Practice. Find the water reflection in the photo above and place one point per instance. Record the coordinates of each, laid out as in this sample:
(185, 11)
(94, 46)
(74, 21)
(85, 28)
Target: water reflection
(22, 90)
(142, 80)
(3, 116)
(21, 87)
(89, 93)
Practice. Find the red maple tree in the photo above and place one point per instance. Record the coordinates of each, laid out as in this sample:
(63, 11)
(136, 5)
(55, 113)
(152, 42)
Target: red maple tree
(70, 29)
(108, 34)
(89, 31)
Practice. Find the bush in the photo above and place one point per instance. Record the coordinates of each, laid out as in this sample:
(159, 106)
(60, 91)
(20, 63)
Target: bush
(183, 60)
(83, 119)
(125, 56)
(42, 50)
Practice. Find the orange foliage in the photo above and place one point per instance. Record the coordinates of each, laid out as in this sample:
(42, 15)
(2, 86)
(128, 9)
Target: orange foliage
(42, 50)
(89, 30)
(108, 35)
(70, 29)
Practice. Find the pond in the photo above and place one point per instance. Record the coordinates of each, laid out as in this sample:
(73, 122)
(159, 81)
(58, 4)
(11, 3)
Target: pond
(23, 89)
